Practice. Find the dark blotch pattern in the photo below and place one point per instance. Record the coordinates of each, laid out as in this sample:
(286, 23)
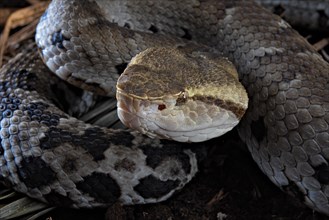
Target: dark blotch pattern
(238, 110)
(156, 155)
(53, 138)
(258, 129)
(57, 199)
(34, 172)
(151, 187)
(37, 112)
(100, 186)
(322, 174)
(57, 39)
(19, 79)
(123, 138)
(94, 140)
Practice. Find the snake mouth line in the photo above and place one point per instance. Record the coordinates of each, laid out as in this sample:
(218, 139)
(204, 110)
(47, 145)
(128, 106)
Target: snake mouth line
(129, 110)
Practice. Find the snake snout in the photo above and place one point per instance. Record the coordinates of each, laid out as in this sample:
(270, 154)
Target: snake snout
(194, 121)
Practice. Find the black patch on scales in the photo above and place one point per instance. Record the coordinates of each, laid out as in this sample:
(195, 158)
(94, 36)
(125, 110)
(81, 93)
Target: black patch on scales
(156, 155)
(94, 140)
(34, 172)
(151, 187)
(58, 38)
(59, 200)
(322, 173)
(100, 186)
(123, 138)
(19, 79)
(37, 112)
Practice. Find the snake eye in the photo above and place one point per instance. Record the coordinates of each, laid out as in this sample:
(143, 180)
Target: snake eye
(161, 107)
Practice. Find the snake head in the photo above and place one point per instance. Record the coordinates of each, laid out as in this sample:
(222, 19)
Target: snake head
(187, 97)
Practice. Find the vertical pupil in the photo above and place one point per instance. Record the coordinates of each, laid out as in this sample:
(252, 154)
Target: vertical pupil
(161, 107)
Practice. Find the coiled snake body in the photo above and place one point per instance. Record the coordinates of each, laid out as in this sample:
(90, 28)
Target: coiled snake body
(53, 157)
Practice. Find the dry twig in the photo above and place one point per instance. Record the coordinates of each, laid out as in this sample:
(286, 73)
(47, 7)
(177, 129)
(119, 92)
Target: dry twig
(321, 44)
(21, 17)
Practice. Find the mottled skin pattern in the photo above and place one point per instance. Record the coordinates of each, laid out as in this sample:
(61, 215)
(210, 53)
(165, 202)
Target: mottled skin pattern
(286, 125)
(58, 159)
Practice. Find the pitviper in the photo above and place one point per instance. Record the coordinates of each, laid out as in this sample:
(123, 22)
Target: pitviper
(58, 159)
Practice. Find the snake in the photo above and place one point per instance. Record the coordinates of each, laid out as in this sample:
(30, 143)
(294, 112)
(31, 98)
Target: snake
(53, 157)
